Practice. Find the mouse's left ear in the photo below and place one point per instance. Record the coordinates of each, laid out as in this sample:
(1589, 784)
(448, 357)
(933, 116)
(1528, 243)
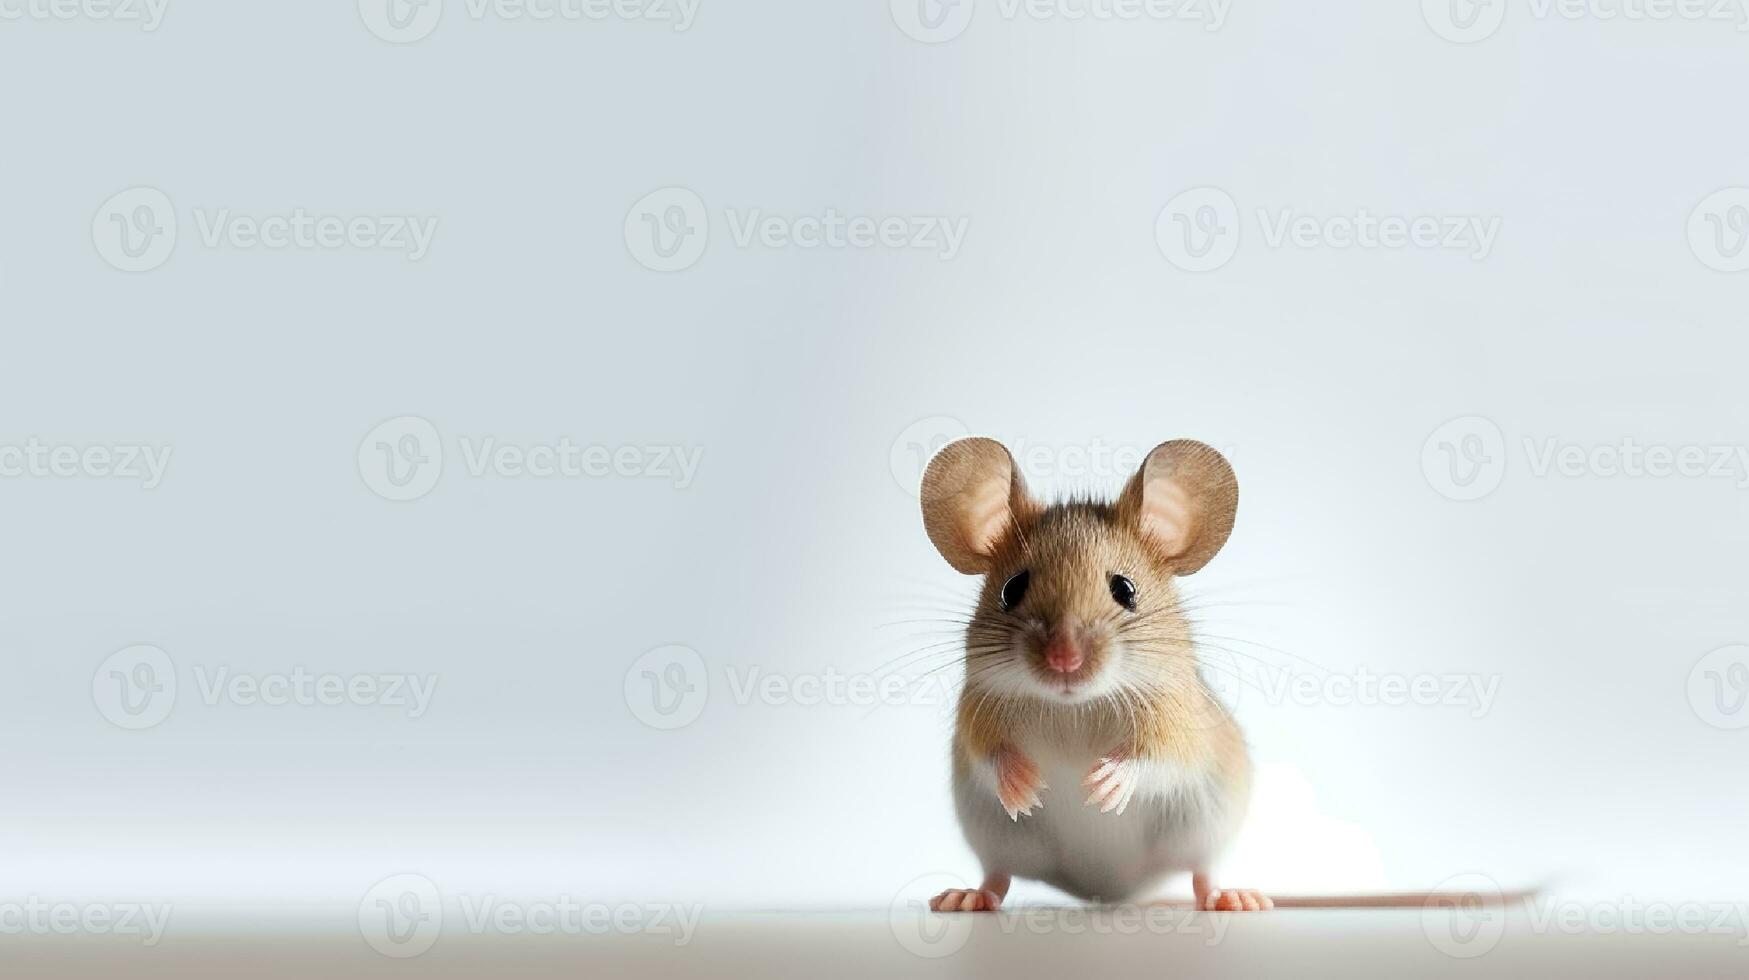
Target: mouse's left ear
(1182, 501)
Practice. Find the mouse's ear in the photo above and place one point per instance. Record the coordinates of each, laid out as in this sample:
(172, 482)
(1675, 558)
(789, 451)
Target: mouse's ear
(972, 495)
(1182, 501)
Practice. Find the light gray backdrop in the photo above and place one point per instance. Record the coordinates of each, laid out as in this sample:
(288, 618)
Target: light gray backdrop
(1460, 297)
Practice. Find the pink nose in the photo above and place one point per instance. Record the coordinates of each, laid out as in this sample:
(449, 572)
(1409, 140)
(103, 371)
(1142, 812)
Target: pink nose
(1063, 654)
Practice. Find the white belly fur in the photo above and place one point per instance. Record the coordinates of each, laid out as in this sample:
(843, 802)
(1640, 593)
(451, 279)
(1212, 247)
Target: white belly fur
(1178, 821)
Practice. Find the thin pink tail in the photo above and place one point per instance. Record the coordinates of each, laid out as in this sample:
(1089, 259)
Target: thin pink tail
(1393, 900)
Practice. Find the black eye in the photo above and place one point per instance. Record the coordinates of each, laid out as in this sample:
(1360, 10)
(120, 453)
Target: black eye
(1124, 591)
(1014, 590)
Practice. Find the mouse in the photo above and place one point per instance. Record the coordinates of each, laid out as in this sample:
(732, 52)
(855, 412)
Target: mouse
(1089, 750)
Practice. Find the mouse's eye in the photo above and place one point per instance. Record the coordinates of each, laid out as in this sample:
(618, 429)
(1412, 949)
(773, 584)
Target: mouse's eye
(1014, 590)
(1124, 591)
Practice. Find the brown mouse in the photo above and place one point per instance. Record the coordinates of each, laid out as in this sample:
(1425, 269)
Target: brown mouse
(1089, 751)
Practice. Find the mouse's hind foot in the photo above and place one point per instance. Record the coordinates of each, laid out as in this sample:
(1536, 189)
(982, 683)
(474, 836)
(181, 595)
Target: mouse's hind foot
(965, 900)
(1212, 899)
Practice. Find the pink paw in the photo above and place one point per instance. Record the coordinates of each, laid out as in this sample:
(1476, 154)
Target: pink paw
(1237, 900)
(1113, 781)
(965, 900)
(1018, 783)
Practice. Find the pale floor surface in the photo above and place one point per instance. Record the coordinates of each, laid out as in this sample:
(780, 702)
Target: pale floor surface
(1076, 944)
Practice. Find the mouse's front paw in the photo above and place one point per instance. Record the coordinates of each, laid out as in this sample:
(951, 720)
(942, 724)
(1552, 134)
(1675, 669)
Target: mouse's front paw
(1113, 781)
(1018, 783)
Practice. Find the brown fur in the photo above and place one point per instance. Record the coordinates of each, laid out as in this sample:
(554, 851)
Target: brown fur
(1071, 551)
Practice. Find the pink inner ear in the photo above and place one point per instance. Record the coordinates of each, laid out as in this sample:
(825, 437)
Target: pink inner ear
(1167, 515)
(983, 516)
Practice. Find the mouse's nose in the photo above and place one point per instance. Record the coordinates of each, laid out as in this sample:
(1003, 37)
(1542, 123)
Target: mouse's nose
(1062, 653)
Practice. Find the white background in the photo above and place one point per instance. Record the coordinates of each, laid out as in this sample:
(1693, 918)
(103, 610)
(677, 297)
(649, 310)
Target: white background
(802, 375)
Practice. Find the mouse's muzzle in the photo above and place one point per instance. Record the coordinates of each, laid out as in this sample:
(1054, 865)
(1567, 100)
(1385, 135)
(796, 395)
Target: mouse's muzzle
(1068, 657)
(1064, 653)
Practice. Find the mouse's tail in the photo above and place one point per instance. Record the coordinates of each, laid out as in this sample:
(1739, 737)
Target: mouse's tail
(1455, 899)
(1405, 900)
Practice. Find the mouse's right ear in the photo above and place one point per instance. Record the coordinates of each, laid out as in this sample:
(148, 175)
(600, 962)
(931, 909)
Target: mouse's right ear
(972, 495)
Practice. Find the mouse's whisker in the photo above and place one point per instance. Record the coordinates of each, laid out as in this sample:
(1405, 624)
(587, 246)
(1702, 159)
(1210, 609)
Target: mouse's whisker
(1202, 637)
(1200, 602)
(947, 651)
(948, 621)
(908, 644)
